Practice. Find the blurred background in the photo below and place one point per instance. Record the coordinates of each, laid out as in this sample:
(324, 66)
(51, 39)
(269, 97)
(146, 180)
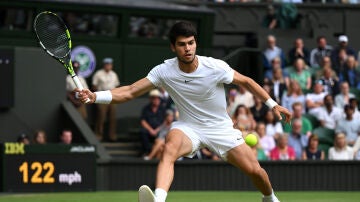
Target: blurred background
(303, 52)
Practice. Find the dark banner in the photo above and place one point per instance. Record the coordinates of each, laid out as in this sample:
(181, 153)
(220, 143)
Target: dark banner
(6, 78)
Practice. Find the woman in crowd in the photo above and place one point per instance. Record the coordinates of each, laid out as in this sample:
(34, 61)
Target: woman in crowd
(312, 151)
(40, 137)
(340, 150)
(243, 119)
(294, 94)
(273, 126)
(282, 151)
(266, 142)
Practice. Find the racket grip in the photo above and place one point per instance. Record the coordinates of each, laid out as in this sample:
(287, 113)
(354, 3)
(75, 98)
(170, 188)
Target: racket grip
(79, 85)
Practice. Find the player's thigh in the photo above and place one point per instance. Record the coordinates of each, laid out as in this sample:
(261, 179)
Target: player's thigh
(177, 144)
(243, 158)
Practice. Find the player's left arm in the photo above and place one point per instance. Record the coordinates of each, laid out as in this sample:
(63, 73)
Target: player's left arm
(258, 91)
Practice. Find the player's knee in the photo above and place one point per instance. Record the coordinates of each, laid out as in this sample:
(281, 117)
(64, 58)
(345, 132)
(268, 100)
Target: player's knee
(254, 171)
(170, 151)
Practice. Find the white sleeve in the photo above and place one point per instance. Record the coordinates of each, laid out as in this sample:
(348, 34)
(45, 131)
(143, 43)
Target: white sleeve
(154, 76)
(226, 73)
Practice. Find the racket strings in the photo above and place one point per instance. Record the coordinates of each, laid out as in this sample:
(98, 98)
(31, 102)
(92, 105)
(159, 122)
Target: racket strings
(52, 34)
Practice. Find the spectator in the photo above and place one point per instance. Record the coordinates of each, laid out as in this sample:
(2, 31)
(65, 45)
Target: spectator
(259, 110)
(329, 115)
(277, 84)
(301, 74)
(340, 150)
(330, 81)
(299, 51)
(266, 142)
(339, 66)
(272, 51)
(282, 151)
(294, 94)
(354, 104)
(306, 124)
(66, 137)
(269, 20)
(275, 64)
(349, 126)
(106, 79)
(23, 138)
(152, 117)
(259, 151)
(243, 119)
(231, 105)
(297, 139)
(351, 73)
(322, 50)
(40, 137)
(343, 98)
(272, 125)
(339, 54)
(325, 64)
(288, 16)
(166, 101)
(356, 149)
(312, 151)
(244, 97)
(70, 86)
(205, 153)
(315, 100)
(159, 143)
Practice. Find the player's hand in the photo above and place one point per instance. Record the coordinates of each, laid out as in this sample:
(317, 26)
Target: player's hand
(280, 110)
(85, 95)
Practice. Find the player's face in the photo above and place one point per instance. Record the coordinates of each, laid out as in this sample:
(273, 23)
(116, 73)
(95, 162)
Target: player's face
(185, 49)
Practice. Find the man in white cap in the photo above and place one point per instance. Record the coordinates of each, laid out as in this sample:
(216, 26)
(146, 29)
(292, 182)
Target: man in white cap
(343, 45)
(106, 79)
(151, 120)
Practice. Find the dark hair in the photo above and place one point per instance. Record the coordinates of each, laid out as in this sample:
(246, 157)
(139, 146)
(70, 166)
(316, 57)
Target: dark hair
(351, 100)
(347, 106)
(182, 28)
(22, 137)
(320, 37)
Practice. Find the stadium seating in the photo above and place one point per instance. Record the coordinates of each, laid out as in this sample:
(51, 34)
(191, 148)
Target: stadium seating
(314, 121)
(326, 135)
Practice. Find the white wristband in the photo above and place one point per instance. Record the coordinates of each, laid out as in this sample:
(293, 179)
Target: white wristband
(270, 103)
(103, 97)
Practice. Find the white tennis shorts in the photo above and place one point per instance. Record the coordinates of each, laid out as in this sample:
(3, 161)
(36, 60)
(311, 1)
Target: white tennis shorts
(218, 140)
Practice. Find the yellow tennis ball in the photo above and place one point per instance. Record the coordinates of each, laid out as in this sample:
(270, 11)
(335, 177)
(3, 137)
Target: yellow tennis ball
(251, 139)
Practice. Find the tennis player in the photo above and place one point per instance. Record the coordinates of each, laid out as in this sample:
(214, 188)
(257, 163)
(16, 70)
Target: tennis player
(196, 84)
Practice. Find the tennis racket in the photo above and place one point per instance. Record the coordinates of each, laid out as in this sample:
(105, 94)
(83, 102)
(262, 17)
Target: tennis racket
(54, 38)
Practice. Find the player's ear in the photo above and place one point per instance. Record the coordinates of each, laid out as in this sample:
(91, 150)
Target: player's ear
(172, 47)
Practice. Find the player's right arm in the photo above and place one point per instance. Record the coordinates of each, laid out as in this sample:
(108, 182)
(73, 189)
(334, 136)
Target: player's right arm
(117, 95)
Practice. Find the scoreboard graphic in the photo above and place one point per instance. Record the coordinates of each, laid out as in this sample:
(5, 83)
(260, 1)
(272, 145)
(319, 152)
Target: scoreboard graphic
(53, 167)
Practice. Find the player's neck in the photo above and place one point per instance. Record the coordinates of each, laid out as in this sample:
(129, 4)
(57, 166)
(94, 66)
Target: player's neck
(189, 67)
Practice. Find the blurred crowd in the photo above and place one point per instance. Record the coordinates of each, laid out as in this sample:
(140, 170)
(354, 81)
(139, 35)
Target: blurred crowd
(320, 86)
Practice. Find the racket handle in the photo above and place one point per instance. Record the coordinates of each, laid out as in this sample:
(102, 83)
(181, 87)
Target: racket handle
(79, 85)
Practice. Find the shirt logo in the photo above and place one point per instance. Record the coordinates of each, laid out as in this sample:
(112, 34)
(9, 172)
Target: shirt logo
(188, 81)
